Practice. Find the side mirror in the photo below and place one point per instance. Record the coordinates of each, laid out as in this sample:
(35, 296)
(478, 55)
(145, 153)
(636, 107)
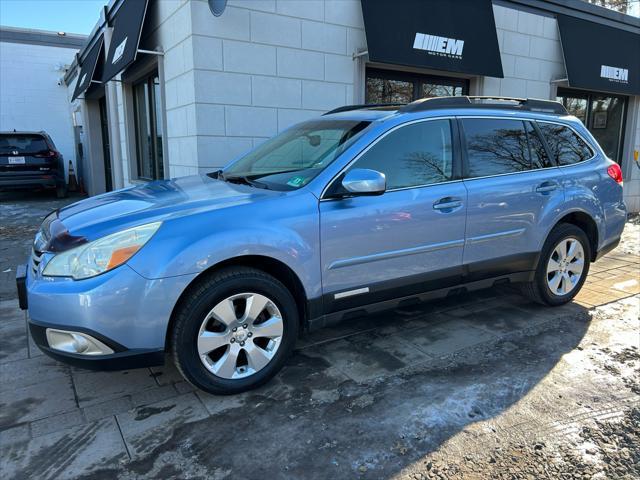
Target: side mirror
(362, 181)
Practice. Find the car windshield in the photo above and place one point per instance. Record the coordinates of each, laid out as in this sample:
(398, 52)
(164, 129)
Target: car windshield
(18, 144)
(290, 160)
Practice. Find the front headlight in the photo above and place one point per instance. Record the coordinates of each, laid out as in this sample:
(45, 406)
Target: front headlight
(100, 255)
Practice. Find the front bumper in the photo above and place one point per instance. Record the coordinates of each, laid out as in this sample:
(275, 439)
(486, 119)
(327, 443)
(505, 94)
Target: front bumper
(121, 359)
(22, 180)
(120, 308)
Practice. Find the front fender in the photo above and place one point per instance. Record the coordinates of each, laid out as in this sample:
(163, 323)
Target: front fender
(287, 232)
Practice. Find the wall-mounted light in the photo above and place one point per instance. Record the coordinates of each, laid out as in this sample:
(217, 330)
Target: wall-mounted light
(217, 7)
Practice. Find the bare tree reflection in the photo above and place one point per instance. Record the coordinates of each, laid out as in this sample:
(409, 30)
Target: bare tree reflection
(498, 151)
(566, 147)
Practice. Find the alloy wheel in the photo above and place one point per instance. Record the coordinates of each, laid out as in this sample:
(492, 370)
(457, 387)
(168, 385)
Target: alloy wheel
(565, 266)
(240, 335)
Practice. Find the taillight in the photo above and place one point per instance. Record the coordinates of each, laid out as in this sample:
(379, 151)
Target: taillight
(46, 154)
(615, 172)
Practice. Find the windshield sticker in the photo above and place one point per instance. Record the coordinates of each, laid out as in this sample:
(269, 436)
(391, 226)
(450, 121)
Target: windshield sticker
(297, 181)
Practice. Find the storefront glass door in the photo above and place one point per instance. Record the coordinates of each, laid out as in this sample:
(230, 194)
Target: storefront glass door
(149, 128)
(602, 114)
(387, 86)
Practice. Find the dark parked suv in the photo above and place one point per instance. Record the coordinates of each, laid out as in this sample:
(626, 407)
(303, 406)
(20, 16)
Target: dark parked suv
(30, 159)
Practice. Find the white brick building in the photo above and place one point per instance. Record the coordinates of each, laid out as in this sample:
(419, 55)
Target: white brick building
(33, 96)
(220, 85)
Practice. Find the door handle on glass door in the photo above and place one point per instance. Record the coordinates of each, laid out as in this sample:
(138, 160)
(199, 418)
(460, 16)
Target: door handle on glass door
(448, 204)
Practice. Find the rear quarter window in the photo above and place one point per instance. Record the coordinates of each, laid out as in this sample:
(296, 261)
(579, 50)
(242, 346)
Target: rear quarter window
(565, 145)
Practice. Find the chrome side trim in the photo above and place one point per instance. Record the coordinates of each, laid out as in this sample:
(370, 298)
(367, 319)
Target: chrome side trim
(350, 293)
(348, 262)
(491, 236)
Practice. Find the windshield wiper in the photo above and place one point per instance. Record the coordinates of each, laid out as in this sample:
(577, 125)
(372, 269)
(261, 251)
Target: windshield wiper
(217, 175)
(245, 180)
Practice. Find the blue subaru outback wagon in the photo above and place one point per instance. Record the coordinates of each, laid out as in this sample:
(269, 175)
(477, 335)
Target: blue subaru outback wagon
(356, 211)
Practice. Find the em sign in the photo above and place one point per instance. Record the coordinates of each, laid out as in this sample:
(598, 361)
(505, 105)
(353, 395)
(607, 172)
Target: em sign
(614, 74)
(450, 47)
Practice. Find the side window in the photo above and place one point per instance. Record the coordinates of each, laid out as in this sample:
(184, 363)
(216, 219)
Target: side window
(496, 146)
(414, 155)
(539, 157)
(565, 145)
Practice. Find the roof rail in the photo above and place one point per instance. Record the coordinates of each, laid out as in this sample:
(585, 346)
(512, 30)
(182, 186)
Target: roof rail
(529, 104)
(365, 106)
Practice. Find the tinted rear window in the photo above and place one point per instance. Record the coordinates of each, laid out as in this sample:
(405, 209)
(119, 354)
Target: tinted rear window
(565, 144)
(496, 146)
(21, 143)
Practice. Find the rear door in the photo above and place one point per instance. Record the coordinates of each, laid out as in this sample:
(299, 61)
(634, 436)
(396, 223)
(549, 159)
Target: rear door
(408, 240)
(511, 183)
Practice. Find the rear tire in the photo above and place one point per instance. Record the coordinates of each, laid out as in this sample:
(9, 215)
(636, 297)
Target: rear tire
(562, 268)
(234, 331)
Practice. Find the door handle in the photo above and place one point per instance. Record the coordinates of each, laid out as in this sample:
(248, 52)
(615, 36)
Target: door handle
(546, 187)
(447, 203)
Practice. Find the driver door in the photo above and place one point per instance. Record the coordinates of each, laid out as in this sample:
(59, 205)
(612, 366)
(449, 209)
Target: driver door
(409, 239)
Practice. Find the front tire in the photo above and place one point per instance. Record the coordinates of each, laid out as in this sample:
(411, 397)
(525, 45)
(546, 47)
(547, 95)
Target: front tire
(562, 268)
(234, 331)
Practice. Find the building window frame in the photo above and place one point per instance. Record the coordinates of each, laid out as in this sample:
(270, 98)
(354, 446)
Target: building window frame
(150, 87)
(417, 79)
(588, 96)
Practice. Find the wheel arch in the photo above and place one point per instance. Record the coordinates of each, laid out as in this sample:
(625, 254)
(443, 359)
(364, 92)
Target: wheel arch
(587, 224)
(274, 267)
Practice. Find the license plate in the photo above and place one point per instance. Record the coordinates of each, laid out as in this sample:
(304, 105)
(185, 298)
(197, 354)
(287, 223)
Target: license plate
(16, 160)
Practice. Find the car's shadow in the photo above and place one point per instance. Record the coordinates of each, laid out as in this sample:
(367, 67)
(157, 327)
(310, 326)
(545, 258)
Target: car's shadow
(369, 398)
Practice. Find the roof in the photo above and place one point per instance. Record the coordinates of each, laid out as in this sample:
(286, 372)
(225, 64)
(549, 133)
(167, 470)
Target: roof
(23, 132)
(42, 37)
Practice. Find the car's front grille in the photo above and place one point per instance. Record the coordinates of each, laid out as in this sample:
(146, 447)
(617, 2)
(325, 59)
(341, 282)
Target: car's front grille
(36, 258)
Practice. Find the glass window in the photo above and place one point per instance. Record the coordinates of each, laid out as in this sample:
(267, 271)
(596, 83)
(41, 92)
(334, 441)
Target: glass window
(496, 146)
(417, 154)
(22, 143)
(148, 122)
(438, 90)
(603, 115)
(388, 86)
(381, 90)
(605, 123)
(294, 157)
(576, 106)
(539, 157)
(564, 144)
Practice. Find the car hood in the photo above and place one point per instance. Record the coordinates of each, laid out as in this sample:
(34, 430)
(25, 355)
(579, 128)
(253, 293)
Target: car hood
(155, 201)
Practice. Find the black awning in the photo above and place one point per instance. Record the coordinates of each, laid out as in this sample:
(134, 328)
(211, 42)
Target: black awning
(88, 68)
(599, 57)
(444, 35)
(127, 28)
